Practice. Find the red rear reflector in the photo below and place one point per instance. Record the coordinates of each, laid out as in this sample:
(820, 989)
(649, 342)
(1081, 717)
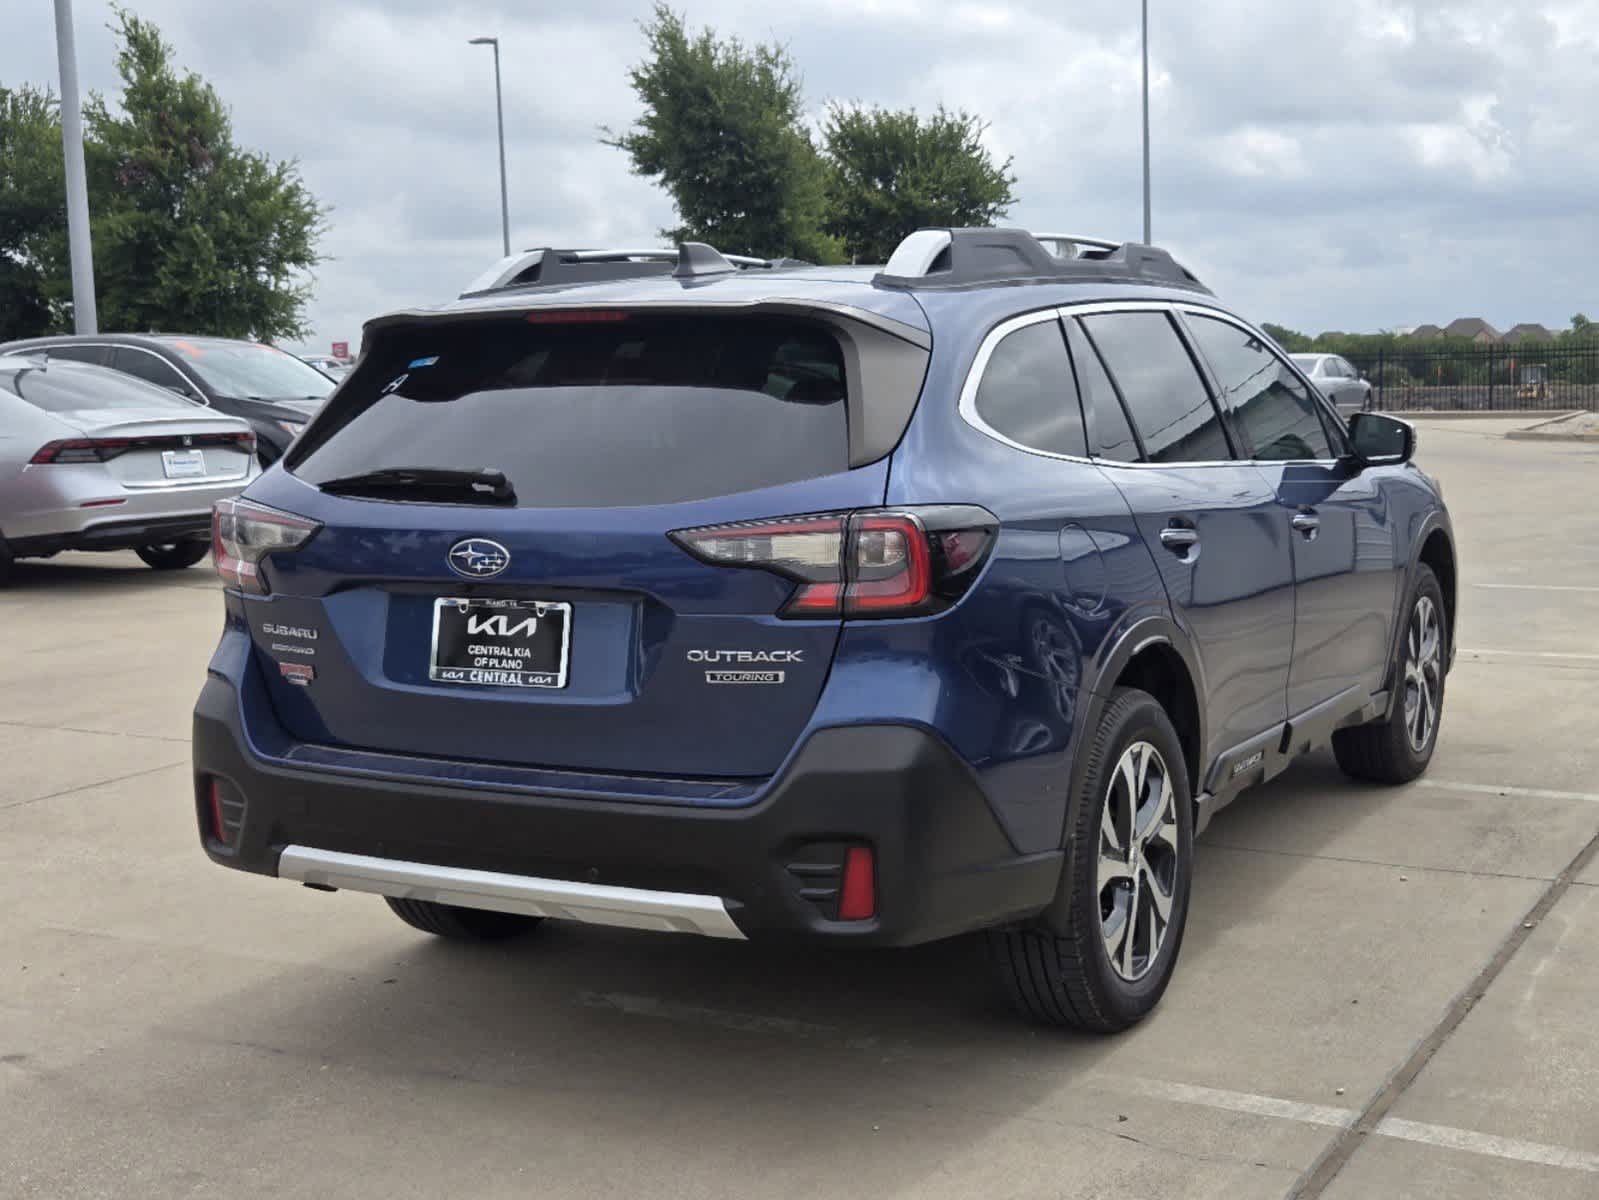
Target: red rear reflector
(219, 829)
(100, 503)
(857, 897)
(574, 316)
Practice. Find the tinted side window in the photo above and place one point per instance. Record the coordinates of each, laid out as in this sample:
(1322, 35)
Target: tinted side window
(1164, 393)
(99, 355)
(1113, 436)
(1027, 392)
(144, 365)
(1278, 416)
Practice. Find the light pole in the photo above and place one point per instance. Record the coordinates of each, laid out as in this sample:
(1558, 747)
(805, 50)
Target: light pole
(1147, 234)
(499, 112)
(84, 317)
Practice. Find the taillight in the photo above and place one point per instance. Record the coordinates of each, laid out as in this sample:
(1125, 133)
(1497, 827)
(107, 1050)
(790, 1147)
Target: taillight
(88, 450)
(243, 533)
(874, 563)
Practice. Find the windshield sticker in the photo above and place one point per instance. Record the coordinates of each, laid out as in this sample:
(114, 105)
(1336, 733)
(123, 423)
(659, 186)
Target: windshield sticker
(423, 362)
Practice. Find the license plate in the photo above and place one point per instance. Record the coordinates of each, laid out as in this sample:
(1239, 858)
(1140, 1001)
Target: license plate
(500, 643)
(182, 464)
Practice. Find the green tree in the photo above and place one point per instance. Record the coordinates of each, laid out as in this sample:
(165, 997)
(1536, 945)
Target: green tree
(191, 232)
(893, 172)
(722, 132)
(32, 209)
(1290, 340)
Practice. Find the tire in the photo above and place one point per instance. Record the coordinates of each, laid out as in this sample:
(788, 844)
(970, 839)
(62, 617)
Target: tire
(1059, 970)
(173, 556)
(1388, 750)
(5, 562)
(461, 924)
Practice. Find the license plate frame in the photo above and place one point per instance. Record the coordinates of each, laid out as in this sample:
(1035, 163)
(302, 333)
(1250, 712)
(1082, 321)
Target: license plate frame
(183, 464)
(500, 634)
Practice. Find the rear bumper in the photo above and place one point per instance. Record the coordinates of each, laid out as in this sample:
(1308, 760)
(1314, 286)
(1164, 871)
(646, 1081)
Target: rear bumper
(116, 535)
(943, 864)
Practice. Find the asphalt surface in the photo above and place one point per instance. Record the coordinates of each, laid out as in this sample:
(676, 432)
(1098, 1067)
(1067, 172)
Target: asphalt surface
(1360, 1010)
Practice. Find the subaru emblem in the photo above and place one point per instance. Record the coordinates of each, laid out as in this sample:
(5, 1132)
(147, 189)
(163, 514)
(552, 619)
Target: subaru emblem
(478, 558)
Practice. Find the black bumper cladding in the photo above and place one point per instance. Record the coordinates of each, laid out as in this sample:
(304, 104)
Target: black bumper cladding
(943, 864)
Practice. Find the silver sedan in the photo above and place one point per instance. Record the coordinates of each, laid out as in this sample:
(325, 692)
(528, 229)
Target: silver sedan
(92, 459)
(1338, 379)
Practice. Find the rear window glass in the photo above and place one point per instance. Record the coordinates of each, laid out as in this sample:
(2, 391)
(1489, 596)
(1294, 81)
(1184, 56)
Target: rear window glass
(61, 386)
(642, 410)
(1027, 392)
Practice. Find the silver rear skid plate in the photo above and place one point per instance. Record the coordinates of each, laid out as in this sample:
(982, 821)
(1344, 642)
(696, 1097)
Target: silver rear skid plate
(596, 904)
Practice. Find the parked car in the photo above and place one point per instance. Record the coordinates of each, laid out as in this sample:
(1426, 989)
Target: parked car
(334, 368)
(91, 459)
(271, 389)
(1338, 380)
(869, 605)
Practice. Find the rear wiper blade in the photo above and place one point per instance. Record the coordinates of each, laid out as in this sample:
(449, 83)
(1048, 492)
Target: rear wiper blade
(483, 486)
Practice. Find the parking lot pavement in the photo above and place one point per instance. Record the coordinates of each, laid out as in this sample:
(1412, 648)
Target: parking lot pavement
(168, 1028)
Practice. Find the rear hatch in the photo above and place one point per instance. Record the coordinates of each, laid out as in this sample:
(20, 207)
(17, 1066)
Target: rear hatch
(493, 578)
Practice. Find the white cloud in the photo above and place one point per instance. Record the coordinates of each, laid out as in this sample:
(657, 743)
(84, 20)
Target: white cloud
(1353, 165)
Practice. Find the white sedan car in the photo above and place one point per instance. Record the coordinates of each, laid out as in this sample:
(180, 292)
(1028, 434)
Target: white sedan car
(1338, 380)
(92, 459)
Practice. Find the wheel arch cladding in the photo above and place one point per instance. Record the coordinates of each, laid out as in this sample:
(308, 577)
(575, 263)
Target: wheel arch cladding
(1439, 554)
(1160, 670)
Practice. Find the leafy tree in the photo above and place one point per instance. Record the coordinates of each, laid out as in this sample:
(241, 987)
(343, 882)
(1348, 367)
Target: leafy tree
(1290, 340)
(32, 209)
(893, 172)
(191, 232)
(722, 132)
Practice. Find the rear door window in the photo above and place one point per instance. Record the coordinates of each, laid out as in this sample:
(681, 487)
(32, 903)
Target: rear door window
(1027, 393)
(149, 367)
(1165, 395)
(99, 355)
(628, 410)
(1276, 413)
(1113, 436)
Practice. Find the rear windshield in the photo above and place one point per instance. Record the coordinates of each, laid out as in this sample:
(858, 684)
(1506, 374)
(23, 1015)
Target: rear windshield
(596, 413)
(252, 370)
(63, 386)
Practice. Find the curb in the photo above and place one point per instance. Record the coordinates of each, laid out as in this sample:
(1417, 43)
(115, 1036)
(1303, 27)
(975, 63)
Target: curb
(1531, 435)
(1458, 414)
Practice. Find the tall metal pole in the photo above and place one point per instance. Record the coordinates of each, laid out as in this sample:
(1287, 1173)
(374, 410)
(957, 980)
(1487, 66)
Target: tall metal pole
(84, 317)
(1147, 234)
(499, 112)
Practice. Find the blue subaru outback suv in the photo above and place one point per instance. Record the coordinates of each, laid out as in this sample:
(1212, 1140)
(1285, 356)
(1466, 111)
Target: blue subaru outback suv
(874, 605)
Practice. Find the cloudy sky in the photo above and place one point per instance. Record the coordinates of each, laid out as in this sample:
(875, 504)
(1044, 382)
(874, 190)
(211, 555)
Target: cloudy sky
(1355, 165)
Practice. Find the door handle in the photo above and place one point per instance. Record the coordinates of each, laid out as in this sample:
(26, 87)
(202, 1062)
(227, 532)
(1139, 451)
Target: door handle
(1307, 523)
(1179, 539)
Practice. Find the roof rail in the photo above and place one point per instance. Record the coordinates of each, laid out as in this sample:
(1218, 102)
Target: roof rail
(953, 258)
(690, 260)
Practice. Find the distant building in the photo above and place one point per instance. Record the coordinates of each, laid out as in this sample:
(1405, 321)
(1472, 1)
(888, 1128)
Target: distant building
(1474, 328)
(1425, 333)
(1529, 332)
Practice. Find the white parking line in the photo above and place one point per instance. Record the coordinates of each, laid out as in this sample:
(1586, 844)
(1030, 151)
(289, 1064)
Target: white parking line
(1221, 1099)
(1540, 587)
(1533, 654)
(1487, 1144)
(1500, 789)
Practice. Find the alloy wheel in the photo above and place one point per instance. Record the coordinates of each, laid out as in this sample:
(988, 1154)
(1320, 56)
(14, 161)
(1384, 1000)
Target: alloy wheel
(1138, 853)
(1423, 673)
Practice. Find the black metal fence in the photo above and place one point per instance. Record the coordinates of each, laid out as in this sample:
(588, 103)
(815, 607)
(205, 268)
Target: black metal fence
(1522, 378)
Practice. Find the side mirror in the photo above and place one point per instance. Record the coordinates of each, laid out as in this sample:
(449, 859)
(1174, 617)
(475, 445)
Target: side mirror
(1381, 440)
